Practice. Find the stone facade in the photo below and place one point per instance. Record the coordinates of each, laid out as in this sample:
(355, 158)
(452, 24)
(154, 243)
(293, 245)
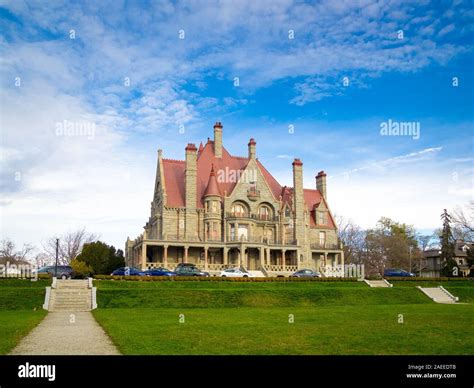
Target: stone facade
(218, 210)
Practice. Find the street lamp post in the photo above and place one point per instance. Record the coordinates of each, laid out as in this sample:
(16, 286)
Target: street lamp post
(56, 265)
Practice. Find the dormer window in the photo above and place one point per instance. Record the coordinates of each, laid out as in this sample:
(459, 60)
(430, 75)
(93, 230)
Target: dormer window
(252, 193)
(322, 218)
(287, 211)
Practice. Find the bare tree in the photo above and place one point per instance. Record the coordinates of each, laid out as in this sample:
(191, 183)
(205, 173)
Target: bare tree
(352, 238)
(463, 222)
(9, 252)
(70, 245)
(425, 240)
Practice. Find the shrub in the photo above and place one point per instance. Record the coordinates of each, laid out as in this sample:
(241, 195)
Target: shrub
(81, 269)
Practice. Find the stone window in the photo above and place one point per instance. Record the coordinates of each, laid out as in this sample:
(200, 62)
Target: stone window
(322, 239)
(322, 218)
(239, 210)
(264, 212)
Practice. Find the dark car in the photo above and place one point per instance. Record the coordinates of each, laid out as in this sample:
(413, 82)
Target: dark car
(128, 271)
(64, 271)
(189, 270)
(160, 272)
(306, 273)
(397, 272)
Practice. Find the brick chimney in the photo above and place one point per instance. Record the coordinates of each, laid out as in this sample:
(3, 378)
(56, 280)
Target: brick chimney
(218, 139)
(190, 189)
(321, 184)
(252, 148)
(298, 201)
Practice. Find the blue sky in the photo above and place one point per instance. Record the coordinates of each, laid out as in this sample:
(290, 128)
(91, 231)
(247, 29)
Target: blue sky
(291, 59)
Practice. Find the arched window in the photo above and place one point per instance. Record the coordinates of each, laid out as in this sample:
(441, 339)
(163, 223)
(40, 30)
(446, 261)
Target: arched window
(287, 211)
(239, 210)
(264, 212)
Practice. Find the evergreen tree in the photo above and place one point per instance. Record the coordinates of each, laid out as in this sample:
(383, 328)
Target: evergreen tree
(447, 246)
(101, 258)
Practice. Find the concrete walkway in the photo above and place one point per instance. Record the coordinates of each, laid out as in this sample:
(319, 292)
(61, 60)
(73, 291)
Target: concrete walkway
(66, 333)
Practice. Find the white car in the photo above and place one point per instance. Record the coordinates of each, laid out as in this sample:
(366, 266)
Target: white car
(236, 273)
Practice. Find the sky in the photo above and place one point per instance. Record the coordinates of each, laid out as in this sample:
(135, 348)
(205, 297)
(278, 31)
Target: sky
(91, 90)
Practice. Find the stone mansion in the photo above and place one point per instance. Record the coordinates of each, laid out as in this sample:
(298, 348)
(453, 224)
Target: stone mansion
(217, 210)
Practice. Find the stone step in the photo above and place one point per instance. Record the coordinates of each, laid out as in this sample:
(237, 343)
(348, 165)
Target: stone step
(73, 294)
(378, 283)
(71, 309)
(74, 286)
(70, 300)
(438, 295)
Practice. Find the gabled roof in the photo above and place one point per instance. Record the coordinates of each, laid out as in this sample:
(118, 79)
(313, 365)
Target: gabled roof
(174, 175)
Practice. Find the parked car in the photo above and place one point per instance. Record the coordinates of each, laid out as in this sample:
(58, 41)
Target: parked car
(161, 271)
(128, 271)
(189, 270)
(306, 273)
(64, 271)
(236, 273)
(397, 272)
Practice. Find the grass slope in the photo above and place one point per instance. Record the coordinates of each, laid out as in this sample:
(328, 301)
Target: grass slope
(252, 318)
(21, 310)
(123, 294)
(427, 329)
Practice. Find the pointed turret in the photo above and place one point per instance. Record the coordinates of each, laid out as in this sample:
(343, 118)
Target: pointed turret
(212, 185)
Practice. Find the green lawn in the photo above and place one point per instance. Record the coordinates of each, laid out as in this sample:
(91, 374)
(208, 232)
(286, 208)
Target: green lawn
(21, 310)
(252, 318)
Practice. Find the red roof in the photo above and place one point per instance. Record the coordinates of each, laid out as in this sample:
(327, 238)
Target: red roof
(212, 185)
(174, 174)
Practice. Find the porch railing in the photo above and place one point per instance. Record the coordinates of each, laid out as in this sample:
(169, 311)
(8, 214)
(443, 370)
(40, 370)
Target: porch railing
(280, 268)
(324, 246)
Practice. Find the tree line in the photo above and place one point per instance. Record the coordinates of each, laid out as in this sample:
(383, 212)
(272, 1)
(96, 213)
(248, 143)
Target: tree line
(82, 250)
(391, 244)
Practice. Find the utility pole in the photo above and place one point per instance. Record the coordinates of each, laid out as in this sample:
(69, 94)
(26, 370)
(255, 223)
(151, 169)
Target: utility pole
(56, 266)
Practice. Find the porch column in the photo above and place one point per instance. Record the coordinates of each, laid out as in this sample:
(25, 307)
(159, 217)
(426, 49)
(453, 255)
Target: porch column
(165, 256)
(205, 258)
(283, 258)
(261, 252)
(268, 256)
(325, 259)
(143, 256)
(185, 254)
(239, 262)
(225, 256)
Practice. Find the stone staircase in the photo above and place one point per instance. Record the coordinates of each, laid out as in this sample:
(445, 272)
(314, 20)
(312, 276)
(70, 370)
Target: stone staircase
(439, 294)
(70, 295)
(378, 283)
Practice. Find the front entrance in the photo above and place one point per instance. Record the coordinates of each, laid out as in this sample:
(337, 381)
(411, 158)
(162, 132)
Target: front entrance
(253, 259)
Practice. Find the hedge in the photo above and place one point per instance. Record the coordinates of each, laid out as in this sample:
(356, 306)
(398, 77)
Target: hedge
(219, 279)
(422, 279)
